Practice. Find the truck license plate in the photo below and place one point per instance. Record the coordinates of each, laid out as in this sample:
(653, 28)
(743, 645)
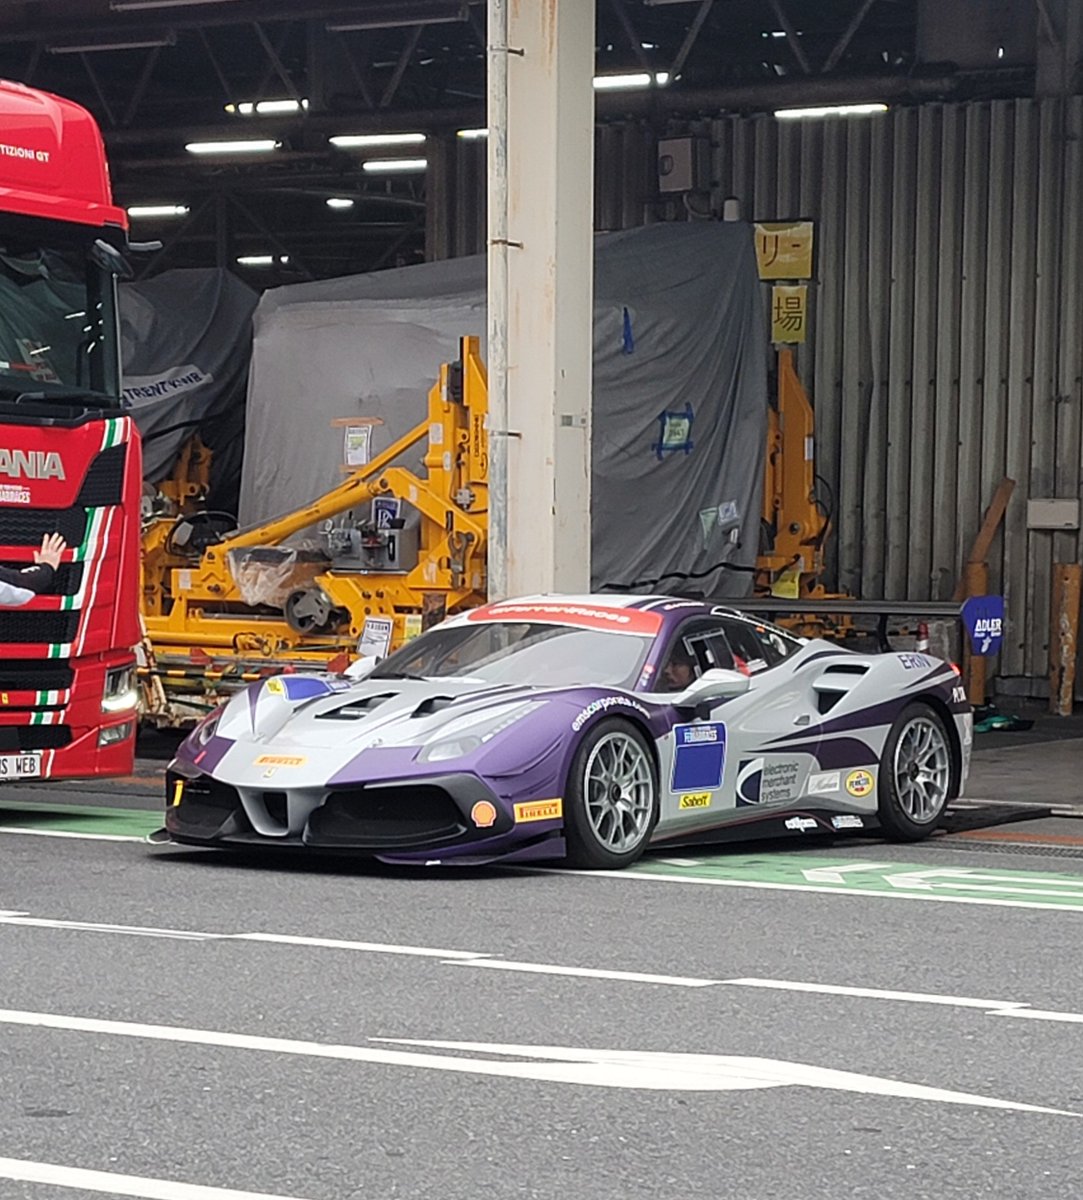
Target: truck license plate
(20, 766)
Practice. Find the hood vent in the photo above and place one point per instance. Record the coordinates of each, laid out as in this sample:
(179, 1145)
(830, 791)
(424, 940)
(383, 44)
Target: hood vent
(434, 704)
(356, 710)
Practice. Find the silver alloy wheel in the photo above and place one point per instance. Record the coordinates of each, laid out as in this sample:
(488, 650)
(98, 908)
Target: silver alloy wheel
(922, 769)
(618, 787)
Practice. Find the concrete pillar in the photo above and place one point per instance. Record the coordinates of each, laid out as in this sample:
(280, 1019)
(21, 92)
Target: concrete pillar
(545, 216)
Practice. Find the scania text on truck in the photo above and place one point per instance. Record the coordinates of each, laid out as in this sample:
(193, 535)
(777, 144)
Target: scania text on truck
(70, 459)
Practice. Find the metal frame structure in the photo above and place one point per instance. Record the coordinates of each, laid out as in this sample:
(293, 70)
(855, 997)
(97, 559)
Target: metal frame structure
(161, 73)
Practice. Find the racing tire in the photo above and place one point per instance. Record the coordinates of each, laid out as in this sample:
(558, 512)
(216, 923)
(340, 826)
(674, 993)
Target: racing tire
(915, 774)
(611, 799)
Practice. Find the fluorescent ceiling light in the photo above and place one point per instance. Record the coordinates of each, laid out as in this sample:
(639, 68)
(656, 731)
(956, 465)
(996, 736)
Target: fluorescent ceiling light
(348, 141)
(262, 260)
(92, 47)
(266, 108)
(389, 166)
(472, 135)
(258, 146)
(339, 202)
(637, 79)
(140, 5)
(407, 15)
(831, 110)
(158, 210)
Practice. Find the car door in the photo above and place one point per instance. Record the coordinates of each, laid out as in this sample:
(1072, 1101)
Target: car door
(724, 768)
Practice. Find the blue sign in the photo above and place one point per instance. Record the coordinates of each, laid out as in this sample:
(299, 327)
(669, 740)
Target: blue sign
(699, 757)
(983, 617)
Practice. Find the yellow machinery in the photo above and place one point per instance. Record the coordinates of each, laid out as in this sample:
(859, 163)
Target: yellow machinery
(223, 608)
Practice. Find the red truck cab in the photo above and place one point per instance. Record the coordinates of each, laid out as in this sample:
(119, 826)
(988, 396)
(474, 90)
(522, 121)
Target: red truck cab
(70, 459)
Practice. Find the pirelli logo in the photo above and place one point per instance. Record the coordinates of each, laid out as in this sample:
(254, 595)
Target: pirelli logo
(280, 760)
(539, 810)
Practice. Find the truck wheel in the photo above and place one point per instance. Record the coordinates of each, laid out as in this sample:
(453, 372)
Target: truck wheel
(612, 797)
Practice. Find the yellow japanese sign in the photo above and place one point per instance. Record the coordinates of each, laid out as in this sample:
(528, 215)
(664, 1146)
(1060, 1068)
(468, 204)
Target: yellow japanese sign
(789, 313)
(784, 249)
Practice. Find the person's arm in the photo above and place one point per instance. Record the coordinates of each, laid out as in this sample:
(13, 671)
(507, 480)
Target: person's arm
(17, 587)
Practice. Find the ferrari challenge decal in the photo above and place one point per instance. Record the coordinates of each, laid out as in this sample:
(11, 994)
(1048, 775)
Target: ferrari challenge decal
(699, 757)
(859, 783)
(767, 781)
(539, 810)
(695, 800)
(584, 616)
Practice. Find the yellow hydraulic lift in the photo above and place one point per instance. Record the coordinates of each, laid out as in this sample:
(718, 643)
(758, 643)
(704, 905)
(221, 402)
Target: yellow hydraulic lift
(220, 611)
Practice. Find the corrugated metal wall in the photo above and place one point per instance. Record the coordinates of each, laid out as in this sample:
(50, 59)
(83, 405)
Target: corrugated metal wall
(946, 320)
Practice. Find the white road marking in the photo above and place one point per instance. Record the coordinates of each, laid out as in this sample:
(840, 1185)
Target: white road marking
(993, 1007)
(283, 939)
(78, 837)
(967, 879)
(760, 885)
(500, 964)
(183, 935)
(641, 1070)
(120, 1185)
(1037, 1014)
(836, 874)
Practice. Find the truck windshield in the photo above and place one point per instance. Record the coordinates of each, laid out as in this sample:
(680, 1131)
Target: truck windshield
(58, 323)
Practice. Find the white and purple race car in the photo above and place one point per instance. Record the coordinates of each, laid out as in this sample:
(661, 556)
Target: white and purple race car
(584, 728)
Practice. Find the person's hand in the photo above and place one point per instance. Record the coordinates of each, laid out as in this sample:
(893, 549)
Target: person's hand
(52, 547)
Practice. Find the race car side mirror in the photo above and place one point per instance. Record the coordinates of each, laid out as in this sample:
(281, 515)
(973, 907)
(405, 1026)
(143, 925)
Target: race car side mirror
(715, 684)
(362, 668)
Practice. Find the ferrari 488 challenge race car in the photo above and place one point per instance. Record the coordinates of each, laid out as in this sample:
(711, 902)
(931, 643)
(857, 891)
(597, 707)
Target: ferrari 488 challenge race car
(585, 728)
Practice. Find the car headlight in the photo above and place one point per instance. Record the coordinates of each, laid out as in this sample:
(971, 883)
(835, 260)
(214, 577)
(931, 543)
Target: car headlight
(206, 729)
(120, 694)
(468, 733)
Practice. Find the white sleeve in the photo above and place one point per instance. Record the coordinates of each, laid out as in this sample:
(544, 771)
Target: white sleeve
(13, 597)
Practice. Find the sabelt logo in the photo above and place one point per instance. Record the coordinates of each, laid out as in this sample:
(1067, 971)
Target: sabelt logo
(31, 464)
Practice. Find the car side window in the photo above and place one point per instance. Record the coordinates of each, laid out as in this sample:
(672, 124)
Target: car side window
(699, 646)
(759, 646)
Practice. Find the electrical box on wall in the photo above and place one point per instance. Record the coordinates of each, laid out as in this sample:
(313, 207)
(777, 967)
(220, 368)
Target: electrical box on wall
(1052, 514)
(681, 166)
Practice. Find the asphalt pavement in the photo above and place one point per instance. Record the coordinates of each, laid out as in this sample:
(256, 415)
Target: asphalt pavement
(812, 1019)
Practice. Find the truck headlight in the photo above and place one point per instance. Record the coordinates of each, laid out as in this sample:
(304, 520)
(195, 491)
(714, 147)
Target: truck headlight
(120, 693)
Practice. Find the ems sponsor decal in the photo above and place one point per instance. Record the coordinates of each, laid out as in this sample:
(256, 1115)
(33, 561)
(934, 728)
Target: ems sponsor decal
(825, 784)
(859, 783)
(483, 814)
(847, 821)
(695, 800)
(582, 616)
(604, 705)
(802, 824)
(539, 810)
(767, 781)
(699, 757)
(915, 662)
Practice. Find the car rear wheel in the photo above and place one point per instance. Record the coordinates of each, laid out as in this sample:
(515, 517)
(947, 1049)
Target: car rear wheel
(611, 798)
(915, 774)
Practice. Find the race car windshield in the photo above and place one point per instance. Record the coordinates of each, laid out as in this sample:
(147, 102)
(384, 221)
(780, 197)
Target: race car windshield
(521, 653)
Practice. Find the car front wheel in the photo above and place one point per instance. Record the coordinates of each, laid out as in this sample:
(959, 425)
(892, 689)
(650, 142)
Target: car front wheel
(611, 798)
(915, 774)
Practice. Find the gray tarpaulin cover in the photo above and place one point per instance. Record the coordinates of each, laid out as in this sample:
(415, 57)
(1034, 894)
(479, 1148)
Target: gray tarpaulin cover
(186, 346)
(680, 391)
